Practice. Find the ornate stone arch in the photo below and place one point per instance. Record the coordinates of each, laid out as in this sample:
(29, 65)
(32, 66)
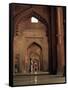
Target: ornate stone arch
(28, 14)
(39, 56)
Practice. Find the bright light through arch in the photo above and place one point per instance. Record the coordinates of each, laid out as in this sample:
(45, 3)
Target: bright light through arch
(34, 20)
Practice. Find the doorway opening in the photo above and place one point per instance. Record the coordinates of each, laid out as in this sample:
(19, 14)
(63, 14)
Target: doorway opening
(35, 57)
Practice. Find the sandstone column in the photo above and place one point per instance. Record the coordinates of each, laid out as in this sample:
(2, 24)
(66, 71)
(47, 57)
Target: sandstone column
(60, 36)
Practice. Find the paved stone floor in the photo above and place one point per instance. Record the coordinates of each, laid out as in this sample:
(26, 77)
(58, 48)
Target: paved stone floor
(37, 79)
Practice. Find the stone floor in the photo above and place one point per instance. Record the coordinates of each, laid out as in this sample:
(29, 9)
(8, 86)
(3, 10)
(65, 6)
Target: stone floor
(33, 79)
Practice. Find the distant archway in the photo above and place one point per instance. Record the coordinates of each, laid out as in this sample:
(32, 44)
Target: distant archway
(35, 57)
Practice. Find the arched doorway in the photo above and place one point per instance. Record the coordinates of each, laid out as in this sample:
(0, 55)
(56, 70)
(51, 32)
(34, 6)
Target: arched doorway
(34, 57)
(34, 35)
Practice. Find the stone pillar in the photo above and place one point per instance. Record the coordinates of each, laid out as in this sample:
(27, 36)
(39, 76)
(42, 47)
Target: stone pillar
(60, 36)
(52, 44)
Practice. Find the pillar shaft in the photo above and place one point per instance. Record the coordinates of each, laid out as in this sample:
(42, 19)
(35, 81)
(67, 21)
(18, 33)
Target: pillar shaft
(60, 36)
(52, 44)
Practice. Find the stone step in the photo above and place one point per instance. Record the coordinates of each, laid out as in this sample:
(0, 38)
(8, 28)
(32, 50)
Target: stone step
(38, 79)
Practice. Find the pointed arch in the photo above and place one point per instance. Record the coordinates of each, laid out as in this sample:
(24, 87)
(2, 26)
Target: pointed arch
(34, 55)
(28, 14)
(34, 43)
